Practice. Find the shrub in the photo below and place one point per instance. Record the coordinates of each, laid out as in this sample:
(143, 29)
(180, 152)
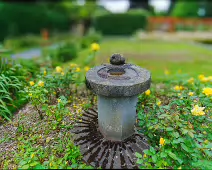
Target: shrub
(24, 18)
(122, 23)
(12, 79)
(177, 124)
(65, 52)
(91, 37)
(23, 42)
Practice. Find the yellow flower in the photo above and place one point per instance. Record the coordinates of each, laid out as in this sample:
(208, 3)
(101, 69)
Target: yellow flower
(87, 68)
(198, 111)
(31, 83)
(73, 65)
(62, 73)
(159, 103)
(204, 132)
(206, 141)
(179, 71)
(201, 76)
(166, 72)
(162, 141)
(210, 78)
(30, 94)
(191, 93)
(41, 83)
(95, 47)
(50, 164)
(44, 72)
(191, 80)
(54, 92)
(59, 69)
(33, 155)
(77, 69)
(145, 155)
(177, 88)
(58, 100)
(207, 91)
(147, 92)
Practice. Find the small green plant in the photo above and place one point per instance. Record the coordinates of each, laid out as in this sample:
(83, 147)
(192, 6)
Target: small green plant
(177, 125)
(65, 52)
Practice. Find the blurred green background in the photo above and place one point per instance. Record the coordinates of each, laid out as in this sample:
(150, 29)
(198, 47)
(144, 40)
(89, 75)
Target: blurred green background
(165, 36)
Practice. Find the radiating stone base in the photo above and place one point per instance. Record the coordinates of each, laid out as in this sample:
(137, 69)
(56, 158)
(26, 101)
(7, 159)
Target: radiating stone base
(99, 152)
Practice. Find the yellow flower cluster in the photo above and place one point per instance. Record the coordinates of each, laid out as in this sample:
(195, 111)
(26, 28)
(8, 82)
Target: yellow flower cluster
(162, 141)
(177, 88)
(147, 92)
(77, 69)
(87, 68)
(44, 72)
(59, 69)
(202, 78)
(198, 111)
(191, 80)
(72, 65)
(159, 103)
(191, 93)
(166, 72)
(207, 91)
(41, 83)
(95, 47)
(32, 83)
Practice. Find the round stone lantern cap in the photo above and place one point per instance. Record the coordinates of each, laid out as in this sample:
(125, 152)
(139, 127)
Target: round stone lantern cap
(118, 78)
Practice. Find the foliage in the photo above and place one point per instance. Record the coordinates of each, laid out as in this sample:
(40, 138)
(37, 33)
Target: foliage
(11, 81)
(122, 23)
(23, 42)
(186, 9)
(91, 37)
(65, 52)
(23, 18)
(177, 128)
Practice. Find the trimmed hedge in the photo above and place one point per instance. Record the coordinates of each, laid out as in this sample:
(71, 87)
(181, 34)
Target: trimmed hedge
(18, 19)
(121, 23)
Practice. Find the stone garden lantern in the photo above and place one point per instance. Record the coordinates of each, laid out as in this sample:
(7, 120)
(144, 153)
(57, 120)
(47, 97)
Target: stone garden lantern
(117, 86)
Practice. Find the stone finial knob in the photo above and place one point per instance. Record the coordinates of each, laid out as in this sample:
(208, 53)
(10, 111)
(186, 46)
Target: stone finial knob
(117, 59)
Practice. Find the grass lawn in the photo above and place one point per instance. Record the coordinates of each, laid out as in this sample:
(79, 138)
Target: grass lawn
(157, 56)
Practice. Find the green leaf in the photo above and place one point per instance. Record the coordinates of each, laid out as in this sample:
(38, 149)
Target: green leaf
(25, 166)
(152, 150)
(154, 158)
(184, 147)
(184, 131)
(191, 134)
(138, 155)
(176, 134)
(209, 145)
(34, 163)
(22, 163)
(169, 129)
(139, 161)
(163, 154)
(172, 155)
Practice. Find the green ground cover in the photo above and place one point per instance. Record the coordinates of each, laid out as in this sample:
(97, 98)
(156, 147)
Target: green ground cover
(175, 115)
(157, 56)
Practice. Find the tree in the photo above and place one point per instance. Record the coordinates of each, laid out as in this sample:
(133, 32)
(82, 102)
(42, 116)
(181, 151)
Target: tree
(186, 8)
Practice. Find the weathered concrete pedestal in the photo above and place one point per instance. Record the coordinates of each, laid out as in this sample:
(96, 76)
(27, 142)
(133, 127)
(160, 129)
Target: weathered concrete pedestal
(116, 116)
(117, 86)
